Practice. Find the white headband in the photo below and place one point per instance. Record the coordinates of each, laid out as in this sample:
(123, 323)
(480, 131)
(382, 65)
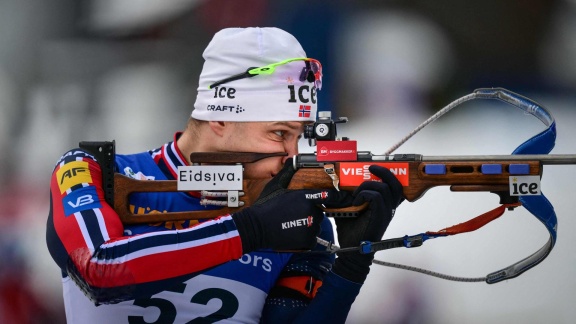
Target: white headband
(279, 96)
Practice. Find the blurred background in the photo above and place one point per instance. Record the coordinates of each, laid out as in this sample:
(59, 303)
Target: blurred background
(127, 70)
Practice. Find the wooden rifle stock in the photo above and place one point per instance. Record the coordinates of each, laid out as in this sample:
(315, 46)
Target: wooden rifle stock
(462, 173)
(125, 186)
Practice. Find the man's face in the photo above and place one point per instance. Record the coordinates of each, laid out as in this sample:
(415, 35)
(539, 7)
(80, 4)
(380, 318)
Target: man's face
(264, 137)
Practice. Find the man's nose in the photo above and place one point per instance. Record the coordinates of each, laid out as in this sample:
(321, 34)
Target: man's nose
(291, 148)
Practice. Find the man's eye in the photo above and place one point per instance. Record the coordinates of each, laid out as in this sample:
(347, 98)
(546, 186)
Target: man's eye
(280, 133)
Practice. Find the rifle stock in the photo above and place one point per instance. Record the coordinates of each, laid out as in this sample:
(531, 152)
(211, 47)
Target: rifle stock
(126, 186)
(461, 173)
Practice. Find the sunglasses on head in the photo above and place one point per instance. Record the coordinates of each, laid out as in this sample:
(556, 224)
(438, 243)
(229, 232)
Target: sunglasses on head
(312, 72)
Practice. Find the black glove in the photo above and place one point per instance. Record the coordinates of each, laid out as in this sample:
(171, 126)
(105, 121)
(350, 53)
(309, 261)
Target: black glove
(383, 198)
(283, 219)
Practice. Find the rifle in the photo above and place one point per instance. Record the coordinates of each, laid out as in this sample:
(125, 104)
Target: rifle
(337, 164)
(418, 173)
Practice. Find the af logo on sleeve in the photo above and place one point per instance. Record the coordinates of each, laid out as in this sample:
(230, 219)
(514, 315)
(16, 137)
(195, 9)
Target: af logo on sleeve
(73, 173)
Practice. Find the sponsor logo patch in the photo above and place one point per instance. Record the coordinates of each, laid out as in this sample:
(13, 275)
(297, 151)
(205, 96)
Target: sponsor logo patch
(337, 151)
(525, 186)
(73, 173)
(225, 108)
(210, 177)
(138, 176)
(303, 94)
(308, 221)
(354, 173)
(81, 199)
(320, 195)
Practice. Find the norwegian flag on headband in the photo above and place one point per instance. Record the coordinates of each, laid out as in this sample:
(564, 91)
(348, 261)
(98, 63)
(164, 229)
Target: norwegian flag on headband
(304, 111)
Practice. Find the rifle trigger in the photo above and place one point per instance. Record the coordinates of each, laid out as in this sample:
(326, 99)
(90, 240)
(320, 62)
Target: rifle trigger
(329, 169)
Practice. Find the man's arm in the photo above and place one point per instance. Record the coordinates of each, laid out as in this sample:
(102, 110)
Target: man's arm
(86, 239)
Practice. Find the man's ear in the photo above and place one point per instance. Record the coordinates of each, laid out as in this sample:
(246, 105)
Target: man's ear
(218, 127)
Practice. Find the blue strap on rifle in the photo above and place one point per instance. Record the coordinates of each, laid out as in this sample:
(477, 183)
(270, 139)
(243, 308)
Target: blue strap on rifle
(539, 206)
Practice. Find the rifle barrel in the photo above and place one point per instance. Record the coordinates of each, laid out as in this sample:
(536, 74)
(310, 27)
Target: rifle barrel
(309, 160)
(552, 159)
(556, 159)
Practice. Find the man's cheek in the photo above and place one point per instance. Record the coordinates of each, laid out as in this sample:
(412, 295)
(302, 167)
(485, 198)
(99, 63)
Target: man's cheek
(263, 169)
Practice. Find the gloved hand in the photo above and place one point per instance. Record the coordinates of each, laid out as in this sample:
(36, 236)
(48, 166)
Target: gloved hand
(383, 198)
(283, 219)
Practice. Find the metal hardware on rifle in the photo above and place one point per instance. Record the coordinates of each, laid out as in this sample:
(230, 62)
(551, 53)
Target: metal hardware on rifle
(329, 169)
(105, 153)
(231, 195)
(324, 129)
